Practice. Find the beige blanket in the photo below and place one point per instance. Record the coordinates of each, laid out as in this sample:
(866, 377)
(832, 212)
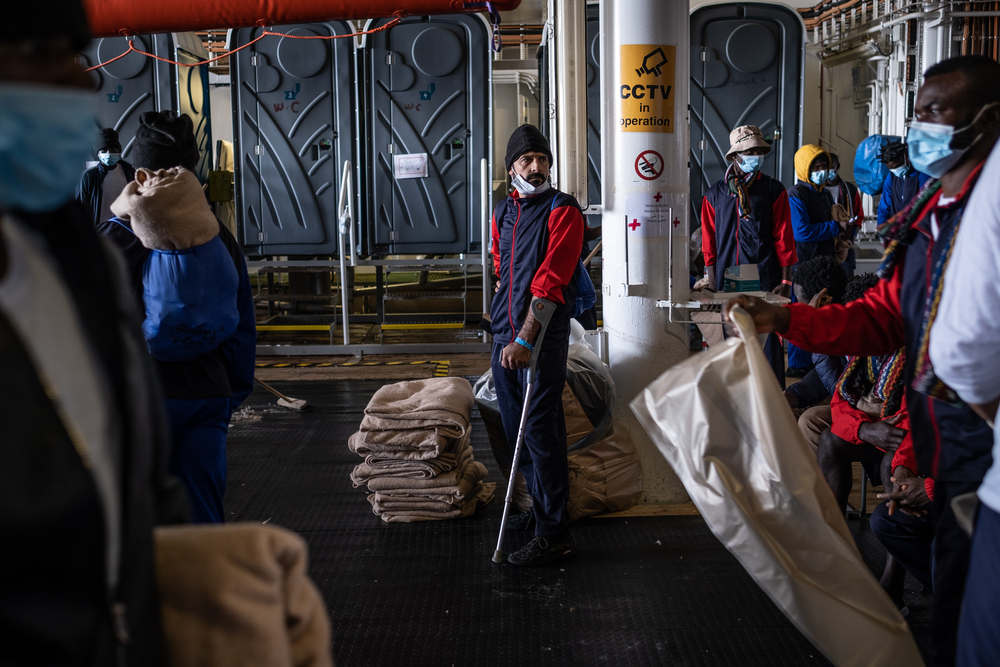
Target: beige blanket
(377, 467)
(444, 404)
(482, 495)
(418, 445)
(444, 484)
(238, 596)
(167, 209)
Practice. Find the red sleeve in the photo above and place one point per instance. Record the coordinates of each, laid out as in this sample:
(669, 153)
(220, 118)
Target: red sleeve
(859, 206)
(781, 220)
(562, 255)
(846, 420)
(869, 326)
(495, 233)
(708, 232)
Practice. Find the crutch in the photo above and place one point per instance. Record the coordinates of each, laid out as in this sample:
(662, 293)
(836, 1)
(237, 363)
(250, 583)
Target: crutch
(542, 310)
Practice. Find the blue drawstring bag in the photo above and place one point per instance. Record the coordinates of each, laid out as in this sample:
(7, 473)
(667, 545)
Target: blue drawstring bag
(869, 171)
(190, 298)
(586, 295)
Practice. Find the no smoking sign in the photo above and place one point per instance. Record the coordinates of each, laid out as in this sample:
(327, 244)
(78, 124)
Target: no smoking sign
(649, 165)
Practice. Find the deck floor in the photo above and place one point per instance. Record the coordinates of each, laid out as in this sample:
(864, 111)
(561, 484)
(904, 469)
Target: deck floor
(648, 588)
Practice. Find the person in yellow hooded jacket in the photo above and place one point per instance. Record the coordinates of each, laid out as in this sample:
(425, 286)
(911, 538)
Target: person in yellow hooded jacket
(813, 226)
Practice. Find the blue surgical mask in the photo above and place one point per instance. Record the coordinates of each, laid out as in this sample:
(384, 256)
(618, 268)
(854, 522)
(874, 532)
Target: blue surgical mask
(831, 175)
(109, 159)
(527, 189)
(899, 172)
(929, 146)
(818, 177)
(751, 163)
(53, 126)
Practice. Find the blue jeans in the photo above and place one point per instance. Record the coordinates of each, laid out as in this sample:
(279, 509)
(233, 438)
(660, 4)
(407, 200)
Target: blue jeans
(198, 456)
(907, 538)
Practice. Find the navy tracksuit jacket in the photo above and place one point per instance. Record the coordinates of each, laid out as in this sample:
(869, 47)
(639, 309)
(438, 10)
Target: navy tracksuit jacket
(950, 441)
(536, 248)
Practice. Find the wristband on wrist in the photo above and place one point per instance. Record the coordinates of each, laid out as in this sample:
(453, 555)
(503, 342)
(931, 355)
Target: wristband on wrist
(522, 342)
(786, 282)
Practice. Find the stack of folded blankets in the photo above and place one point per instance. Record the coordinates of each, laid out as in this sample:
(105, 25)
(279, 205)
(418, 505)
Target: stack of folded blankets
(418, 459)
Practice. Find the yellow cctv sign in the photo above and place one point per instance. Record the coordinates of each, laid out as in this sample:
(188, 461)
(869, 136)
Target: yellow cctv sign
(647, 87)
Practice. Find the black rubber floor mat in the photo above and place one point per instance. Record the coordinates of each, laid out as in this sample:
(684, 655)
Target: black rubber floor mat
(643, 591)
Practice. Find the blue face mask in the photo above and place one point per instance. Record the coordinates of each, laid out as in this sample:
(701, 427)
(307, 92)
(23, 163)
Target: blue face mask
(751, 163)
(818, 177)
(52, 125)
(899, 172)
(929, 146)
(831, 175)
(109, 159)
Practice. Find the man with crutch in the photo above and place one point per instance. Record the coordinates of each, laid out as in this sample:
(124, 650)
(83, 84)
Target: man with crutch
(537, 237)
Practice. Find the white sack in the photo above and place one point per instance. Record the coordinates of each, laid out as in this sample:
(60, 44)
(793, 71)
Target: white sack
(721, 421)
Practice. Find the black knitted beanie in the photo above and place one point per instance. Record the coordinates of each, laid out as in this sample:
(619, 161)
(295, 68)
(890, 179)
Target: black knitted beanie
(106, 139)
(526, 138)
(165, 139)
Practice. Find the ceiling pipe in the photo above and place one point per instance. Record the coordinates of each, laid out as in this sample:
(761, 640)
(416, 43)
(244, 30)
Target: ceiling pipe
(111, 18)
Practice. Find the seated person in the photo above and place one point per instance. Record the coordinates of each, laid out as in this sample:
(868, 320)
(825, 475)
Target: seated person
(822, 279)
(868, 414)
(904, 525)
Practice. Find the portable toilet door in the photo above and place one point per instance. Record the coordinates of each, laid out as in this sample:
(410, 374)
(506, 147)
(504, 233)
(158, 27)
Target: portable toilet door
(747, 64)
(293, 120)
(129, 86)
(428, 94)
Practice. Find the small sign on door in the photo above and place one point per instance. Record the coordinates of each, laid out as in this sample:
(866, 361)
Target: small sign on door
(409, 166)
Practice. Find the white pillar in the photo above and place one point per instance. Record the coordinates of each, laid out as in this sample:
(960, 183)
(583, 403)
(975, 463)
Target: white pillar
(645, 58)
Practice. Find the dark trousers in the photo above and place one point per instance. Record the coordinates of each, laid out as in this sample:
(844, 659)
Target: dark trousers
(543, 455)
(979, 627)
(198, 457)
(951, 551)
(907, 538)
(775, 355)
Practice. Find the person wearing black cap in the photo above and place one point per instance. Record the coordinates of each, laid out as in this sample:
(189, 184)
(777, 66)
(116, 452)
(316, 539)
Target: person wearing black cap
(82, 463)
(203, 388)
(537, 236)
(102, 183)
(902, 183)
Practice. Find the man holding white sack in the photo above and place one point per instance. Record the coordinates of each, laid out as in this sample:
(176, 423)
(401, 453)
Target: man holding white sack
(958, 122)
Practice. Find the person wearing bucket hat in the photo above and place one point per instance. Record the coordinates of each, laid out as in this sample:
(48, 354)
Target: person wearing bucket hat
(81, 467)
(537, 237)
(102, 183)
(745, 219)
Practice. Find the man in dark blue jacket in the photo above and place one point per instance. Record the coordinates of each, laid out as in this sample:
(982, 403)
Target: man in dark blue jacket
(537, 237)
(745, 219)
(102, 184)
(957, 124)
(902, 183)
(201, 394)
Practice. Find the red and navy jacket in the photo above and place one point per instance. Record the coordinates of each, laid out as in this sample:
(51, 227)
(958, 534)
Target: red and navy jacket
(951, 443)
(536, 248)
(764, 239)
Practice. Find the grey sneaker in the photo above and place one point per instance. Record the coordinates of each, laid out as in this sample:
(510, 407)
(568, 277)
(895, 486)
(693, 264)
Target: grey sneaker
(544, 550)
